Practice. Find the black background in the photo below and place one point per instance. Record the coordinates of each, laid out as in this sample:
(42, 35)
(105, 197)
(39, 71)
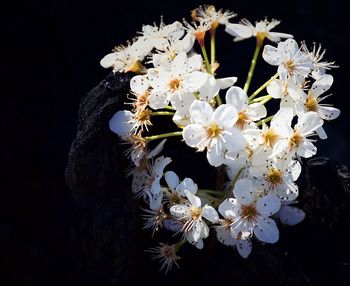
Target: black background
(53, 49)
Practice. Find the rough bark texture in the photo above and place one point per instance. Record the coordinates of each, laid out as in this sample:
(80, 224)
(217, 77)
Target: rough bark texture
(316, 252)
(102, 222)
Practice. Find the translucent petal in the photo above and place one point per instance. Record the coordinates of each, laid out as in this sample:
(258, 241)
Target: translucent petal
(120, 123)
(224, 236)
(244, 247)
(171, 179)
(225, 116)
(268, 205)
(201, 112)
(321, 85)
(271, 55)
(266, 230)
(210, 214)
(243, 191)
(291, 215)
(194, 200)
(237, 97)
(194, 134)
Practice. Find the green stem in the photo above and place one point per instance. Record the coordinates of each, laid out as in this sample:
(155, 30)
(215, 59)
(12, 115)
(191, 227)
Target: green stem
(212, 47)
(233, 182)
(261, 88)
(218, 99)
(261, 98)
(252, 66)
(267, 119)
(179, 245)
(164, 135)
(208, 191)
(206, 60)
(169, 107)
(161, 113)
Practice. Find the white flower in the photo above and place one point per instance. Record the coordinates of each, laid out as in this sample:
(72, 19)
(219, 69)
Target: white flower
(278, 178)
(209, 13)
(121, 123)
(167, 256)
(146, 181)
(296, 142)
(262, 29)
(251, 216)
(311, 102)
(198, 30)
(223, 232)
(289, 214)
(247, 113)
(194, 228)
(316, 55)
(139, 87)
(214, 131)
(291, 61)
(127, 59)
(159, 37)
(177, 85)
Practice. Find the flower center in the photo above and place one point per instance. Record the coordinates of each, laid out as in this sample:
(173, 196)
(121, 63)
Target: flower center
(274, 176)
(196, 213)
(290, 66)
(214, 130)
(270, 137)
(249, 212)
(311, 103)
(174, 84)
(243, 119)
(295, 140)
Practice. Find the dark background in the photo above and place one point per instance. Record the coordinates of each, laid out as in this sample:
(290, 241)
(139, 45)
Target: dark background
(52, 60)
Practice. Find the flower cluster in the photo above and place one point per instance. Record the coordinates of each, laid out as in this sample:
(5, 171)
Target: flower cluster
(261, 152)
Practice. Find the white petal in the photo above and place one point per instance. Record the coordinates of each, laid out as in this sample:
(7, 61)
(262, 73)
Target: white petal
(307, 149)
(179, 65)
(308, 123)
(194, 63)
(321, 133)
(201, 112)
(209, 89)
(268, 205)
(158, 166)
(197, 229)
(276, 37)
(179, 211)
(257, 111)
(229, 208)
(282, 72)
(244, 247)
(193, 81)
(271, 55)
(226, 82)
(243, 191)
(266, 230)
(158, 99)
(187, 184)
(216, 152)
(155, 200)
(234, 140)
(120, 123)
(237, 97)
(275, 88)
(108, 60)
(225, 116)
(328, 112)
(194, 134)
(291, 215)
(321, 85)
(182, 100)
(171, 179)
(139, 84)
(238, 30)
(224, 236)
(210, 214)
(156, 150)
(282, 120)
(194, 200)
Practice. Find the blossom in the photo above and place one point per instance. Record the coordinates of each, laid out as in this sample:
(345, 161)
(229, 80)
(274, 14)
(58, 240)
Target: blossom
(214, 131)
(311, 102)
(297, 141)
(167, 256)
(146, 181)
(139, 87)
(245, 29)
(247, 113)
(127, 58)
(210, 14)
(178, 84)
(223, 231)
(251, 215)
(192, 214)
(291, 61)
(316, 55)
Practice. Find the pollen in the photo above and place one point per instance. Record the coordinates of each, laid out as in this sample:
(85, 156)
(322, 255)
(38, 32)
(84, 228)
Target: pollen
(249, 212)
(274, 177)
(311, 103)
(295, 140)
(270, 137)
(290, 66)
(174, 84)
(196, 213)
(214, 130)
(243, 119)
